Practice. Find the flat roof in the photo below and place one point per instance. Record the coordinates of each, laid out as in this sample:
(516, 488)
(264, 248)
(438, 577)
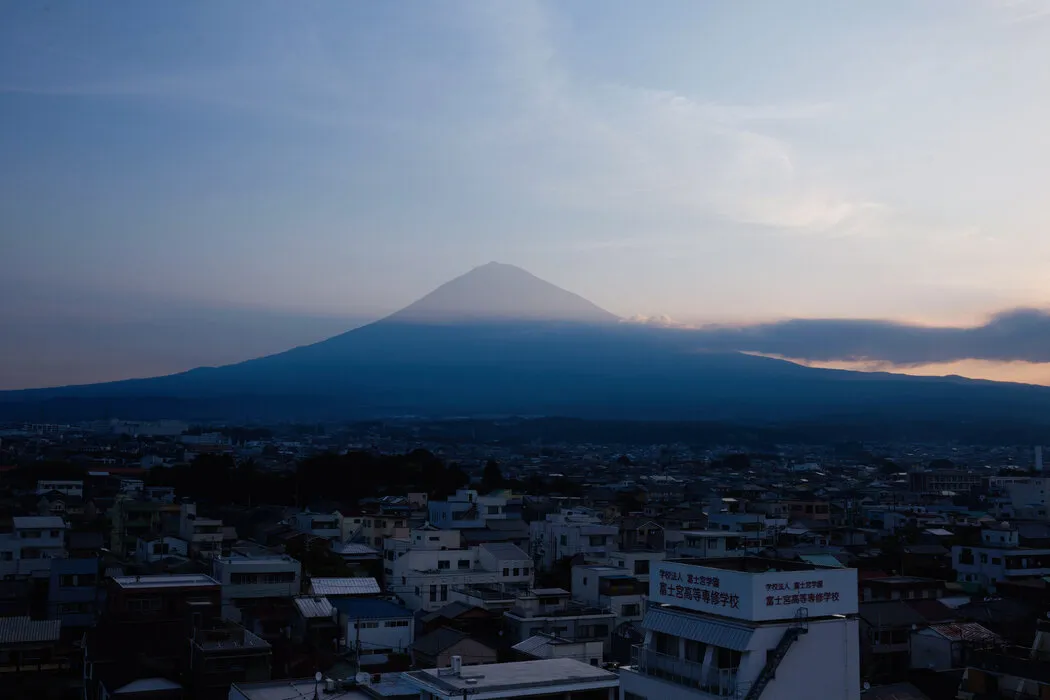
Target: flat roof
(165, 581)
(750, 565)
(514, 679)
(295, 689)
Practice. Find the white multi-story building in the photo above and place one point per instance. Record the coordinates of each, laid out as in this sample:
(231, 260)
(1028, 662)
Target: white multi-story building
(747, 627)
(31, 545)
(375, 626)
(638, 563)
(571, 532)
(425, 569)
(552, 611)
(203, 535)
(325, 525)
(468, 509)
(372, 529)
(1000, 557)
(611, 588)
(715, 544)
(248, 576)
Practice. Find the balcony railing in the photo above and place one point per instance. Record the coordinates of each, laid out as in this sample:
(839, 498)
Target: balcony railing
(720, 682)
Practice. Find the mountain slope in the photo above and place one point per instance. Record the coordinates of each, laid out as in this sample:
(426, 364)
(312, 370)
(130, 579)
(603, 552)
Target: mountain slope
(498, 292)
(498, 341)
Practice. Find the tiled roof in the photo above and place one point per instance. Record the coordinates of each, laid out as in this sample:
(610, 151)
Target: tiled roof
(344, 586)
(438, 641)
(505, 551)
(39, 522)
(23, 630)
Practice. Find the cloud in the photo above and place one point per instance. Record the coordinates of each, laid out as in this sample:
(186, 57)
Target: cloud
(1018, 335)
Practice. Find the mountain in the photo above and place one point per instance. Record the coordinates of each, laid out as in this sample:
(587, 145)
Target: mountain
(501, 341)
(501, 293)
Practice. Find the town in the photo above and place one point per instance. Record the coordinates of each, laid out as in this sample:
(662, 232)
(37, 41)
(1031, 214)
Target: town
(402, 559)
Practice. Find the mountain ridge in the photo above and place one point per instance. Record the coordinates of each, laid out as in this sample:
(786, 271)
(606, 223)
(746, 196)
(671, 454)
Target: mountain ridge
(499, 340)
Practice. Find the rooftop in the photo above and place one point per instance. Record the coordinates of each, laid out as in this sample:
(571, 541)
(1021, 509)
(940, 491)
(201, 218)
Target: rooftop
(313, 606)
(370, 609)
(39, 522)
(298, 689)
(23, 630)
(514, 679)
(344, 586)
(165, 581)
(751, 565)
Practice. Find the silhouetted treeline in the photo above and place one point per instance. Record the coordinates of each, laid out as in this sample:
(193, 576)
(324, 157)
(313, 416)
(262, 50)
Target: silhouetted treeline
(326, 477)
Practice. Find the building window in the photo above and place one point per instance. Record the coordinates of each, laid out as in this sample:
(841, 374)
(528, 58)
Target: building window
(997, 561)
(517, 572)
(464, 563)
(564, 539)
(597, 540)
(984, 558)
(444, 592)
(444, 564)
(641, 566)
(366, 625)
(433, 593)
(506, 572)
(525, 571)
(434, 539)
(631, 610)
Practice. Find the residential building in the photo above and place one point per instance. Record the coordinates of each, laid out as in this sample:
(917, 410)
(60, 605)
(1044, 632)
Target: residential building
(327, 526)
(808, 510)
(949, 646)
(203, 535)
(436, 649)
(637, 562)
(74, 587)
(333, 588)
(317, 625)
(999, 557)
(901, 588)
(547, 678)
(248, 577)
(221, 655)
(610, 588)
(747, 627)
(424, 570)
(132, 520)
(65, 487)
(885, 639)
(571, 532)
(552, 611)
(939, 481)
(31, 545)
(156, 548)
(375, 626)
(468, 509)
(372, 529)
(1006, 672)
(713, 544)
(30, 657)
(547, 646)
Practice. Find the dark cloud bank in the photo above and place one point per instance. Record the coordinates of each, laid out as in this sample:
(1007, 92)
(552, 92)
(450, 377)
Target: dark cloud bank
(1015, 335)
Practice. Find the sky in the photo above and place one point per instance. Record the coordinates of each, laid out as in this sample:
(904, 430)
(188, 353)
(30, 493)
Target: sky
(194, 182)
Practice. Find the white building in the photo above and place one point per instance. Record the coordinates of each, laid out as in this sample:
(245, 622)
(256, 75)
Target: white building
(747, 627)
(999, 558)
(552, 611)
(571, 532)
(31, 545)
(636, 562)
(65, 487)
(547, 678)
(375, 626)
(203, 535)
(547, 646)
(612, 589)
(156, 548)
(712, 544)
(324, 525)
(425, 569)
(248, 576)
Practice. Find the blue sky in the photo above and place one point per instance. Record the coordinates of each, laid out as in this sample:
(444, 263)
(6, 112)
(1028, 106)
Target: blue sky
(309, 165)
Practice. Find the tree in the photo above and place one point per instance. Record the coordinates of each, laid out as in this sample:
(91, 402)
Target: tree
(492, 477)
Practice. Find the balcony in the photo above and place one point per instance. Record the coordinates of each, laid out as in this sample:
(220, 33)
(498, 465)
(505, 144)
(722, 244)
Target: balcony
(714, 681)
